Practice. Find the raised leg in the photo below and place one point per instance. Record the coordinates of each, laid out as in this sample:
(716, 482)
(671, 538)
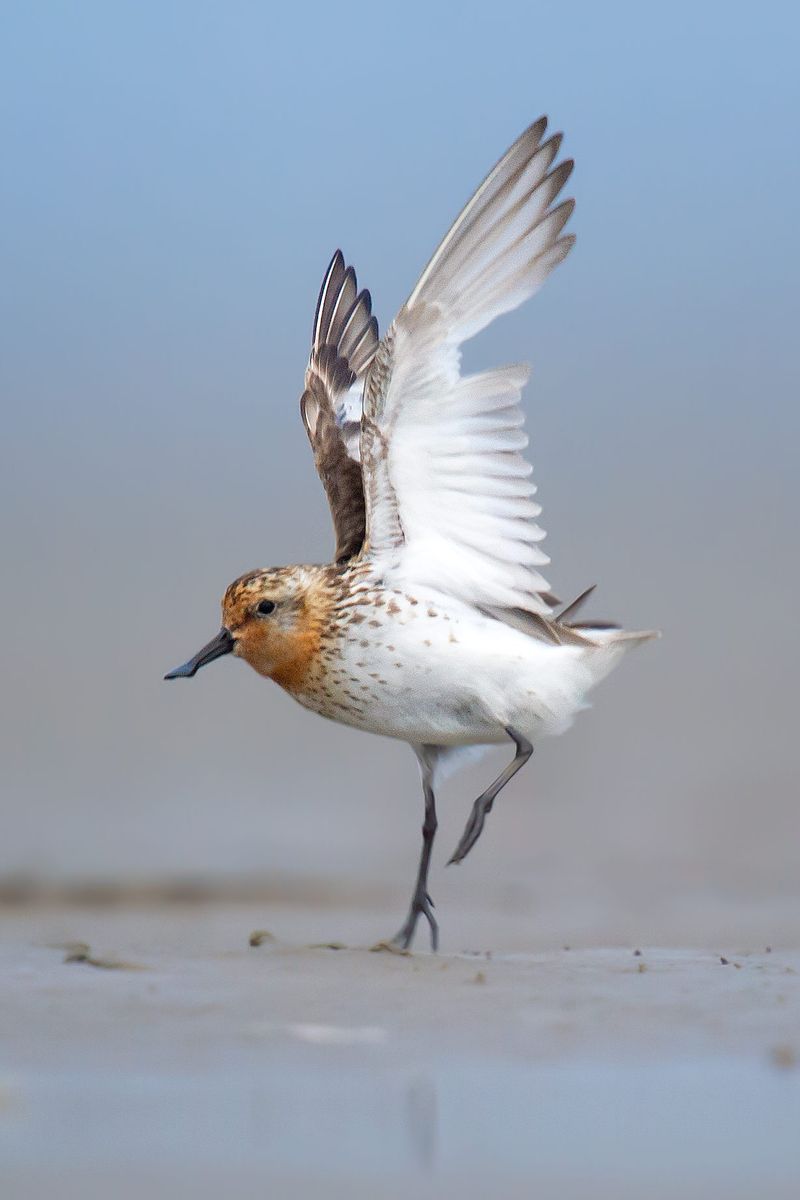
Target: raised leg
(421, 903)
(483, 804)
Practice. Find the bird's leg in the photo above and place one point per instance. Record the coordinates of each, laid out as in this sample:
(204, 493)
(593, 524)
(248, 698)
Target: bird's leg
(421, 902)
(483, 804)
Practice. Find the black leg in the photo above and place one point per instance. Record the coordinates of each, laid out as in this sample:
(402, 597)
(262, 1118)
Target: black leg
(421, 903)
(483, 804)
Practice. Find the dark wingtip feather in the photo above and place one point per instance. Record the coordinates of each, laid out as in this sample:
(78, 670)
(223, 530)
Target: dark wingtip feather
(576, 604)
(553, 143)
(345, 334)
(334, 268)
(562, 172)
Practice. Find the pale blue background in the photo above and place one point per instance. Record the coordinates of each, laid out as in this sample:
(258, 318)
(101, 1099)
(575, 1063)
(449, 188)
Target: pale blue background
(174, 178)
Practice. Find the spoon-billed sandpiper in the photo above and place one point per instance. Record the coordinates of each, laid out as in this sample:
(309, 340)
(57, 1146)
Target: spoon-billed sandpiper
(433, 623)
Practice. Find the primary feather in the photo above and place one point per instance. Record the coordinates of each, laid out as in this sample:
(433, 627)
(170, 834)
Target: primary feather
(343, 343)
(449, 501)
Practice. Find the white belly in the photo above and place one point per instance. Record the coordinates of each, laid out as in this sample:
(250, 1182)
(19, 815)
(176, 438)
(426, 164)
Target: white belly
(438, 672)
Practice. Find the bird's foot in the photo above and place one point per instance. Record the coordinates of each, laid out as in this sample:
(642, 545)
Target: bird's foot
(421, 905)
(390, 947)
(473, 829)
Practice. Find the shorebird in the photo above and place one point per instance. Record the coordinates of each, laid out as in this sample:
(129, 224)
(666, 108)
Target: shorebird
(433, 623)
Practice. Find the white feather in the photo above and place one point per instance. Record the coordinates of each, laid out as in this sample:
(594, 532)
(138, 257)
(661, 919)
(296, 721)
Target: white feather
(449, 501)
(347, 410)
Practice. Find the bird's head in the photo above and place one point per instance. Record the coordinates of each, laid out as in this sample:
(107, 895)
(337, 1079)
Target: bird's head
(271, 618)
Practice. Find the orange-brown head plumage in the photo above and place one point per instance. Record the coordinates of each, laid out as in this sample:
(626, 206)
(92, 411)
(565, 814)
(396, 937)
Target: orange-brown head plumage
(277, 617)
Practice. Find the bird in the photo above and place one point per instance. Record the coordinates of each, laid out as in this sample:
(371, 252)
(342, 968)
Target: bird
(432, 624)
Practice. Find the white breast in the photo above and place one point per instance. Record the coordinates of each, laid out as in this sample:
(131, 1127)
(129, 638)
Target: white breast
(427, 668)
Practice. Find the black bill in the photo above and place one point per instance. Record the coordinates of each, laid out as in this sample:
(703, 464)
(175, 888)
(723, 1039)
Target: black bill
(221, 644)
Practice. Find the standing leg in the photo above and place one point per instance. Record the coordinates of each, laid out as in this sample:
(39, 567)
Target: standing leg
(421, 902)
(483, 804)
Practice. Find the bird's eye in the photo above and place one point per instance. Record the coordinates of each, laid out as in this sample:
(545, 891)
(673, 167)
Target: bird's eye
(265, 607)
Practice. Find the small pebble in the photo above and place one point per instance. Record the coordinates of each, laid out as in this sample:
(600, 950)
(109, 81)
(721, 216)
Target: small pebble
(80, 952)
(784, 1057)
(259, 936)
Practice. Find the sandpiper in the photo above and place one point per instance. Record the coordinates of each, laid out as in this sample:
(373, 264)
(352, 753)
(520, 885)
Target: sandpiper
(433, 623)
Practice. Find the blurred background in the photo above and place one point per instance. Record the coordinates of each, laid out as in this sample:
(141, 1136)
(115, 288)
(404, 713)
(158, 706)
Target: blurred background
(174, 180)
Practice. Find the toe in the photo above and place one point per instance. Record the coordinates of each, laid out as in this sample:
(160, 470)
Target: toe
(463, 848)
(434, 928)
(392, 946)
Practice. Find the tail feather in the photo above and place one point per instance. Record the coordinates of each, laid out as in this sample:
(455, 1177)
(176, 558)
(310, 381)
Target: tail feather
(608, 646)
(614, 634)
(623, 638)
(571, 609)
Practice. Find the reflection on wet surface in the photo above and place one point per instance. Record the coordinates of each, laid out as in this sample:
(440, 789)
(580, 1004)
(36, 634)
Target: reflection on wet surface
(354, 1074)
(684, 1122)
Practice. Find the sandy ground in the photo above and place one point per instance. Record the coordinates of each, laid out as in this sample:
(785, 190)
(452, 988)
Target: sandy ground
(153, 1050)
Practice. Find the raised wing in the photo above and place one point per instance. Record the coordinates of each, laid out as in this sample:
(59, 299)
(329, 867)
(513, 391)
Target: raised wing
(448, 495)
(343, 344)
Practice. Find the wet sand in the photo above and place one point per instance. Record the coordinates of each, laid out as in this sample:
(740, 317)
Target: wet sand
(153, 1049)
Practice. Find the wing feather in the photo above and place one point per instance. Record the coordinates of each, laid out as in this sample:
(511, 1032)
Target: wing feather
(449, 501)
(343, 343)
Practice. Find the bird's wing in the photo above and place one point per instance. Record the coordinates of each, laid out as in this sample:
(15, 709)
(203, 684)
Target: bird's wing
(343, 344)
(448, 495)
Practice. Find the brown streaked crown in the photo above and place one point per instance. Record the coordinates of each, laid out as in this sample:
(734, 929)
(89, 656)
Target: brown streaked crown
(283, 644)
